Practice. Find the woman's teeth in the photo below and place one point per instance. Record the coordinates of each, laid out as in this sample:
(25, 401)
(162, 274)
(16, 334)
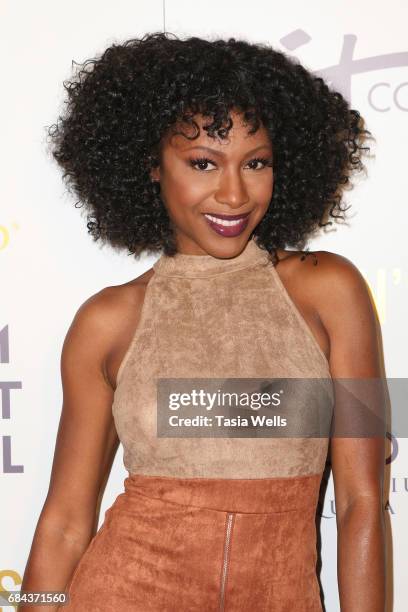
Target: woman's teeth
(223, 221)
(227, 227)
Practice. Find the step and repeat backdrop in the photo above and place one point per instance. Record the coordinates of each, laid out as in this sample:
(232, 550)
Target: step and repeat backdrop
(49, 265)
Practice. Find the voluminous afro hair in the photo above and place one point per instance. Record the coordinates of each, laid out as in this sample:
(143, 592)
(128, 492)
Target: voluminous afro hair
(121, 104)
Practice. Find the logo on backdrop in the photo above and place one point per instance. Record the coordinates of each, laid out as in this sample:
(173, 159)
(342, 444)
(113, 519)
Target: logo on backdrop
(5, 234)
(6, 394)
(394, 448)
(341, 74)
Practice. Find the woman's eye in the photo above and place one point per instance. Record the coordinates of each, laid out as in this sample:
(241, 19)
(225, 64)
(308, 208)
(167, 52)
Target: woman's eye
(260, 160)
(201, 162)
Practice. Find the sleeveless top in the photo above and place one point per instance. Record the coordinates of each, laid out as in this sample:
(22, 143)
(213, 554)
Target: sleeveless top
(207, 317)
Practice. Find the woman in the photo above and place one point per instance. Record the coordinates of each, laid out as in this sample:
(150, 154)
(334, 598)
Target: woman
(217, 155)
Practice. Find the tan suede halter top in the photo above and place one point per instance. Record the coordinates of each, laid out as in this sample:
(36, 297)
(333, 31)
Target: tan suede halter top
(206, 317)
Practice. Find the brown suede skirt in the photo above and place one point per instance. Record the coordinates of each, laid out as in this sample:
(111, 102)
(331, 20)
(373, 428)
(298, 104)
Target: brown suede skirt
(203, 545)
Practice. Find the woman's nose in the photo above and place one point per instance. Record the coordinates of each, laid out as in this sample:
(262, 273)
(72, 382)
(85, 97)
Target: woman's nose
(232, 190)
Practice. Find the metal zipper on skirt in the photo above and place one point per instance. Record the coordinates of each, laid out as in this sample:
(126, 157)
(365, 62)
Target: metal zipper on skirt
(230, 520)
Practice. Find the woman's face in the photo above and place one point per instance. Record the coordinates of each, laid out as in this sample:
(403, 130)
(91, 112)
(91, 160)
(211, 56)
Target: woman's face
(210, 176)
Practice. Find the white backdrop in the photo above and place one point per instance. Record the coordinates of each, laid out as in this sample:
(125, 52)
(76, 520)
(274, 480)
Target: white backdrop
(49, 264)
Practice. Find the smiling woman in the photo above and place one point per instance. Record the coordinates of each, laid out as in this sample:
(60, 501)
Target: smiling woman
(218, 155)
(111, 137)
(229, 192)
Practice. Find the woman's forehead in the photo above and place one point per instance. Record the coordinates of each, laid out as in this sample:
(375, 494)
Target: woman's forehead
(180, 136)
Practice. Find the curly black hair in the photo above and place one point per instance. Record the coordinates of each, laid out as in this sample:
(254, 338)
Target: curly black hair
(121, 104)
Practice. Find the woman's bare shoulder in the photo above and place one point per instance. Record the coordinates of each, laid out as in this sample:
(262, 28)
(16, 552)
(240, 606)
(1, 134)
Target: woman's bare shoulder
(322, 267)
(315, 257)
(122, 294)
(330, 284)
(110, 317)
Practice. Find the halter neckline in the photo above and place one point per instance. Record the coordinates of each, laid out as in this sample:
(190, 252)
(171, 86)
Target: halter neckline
(201, 266)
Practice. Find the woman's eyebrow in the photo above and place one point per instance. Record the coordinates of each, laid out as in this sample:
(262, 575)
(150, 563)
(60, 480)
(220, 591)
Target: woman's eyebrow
(221, 154)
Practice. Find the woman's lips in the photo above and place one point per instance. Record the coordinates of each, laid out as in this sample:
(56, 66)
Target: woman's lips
(227, 225)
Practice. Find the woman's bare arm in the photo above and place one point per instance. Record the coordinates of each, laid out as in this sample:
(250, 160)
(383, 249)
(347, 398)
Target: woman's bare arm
(348, 314)
(85, 446)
